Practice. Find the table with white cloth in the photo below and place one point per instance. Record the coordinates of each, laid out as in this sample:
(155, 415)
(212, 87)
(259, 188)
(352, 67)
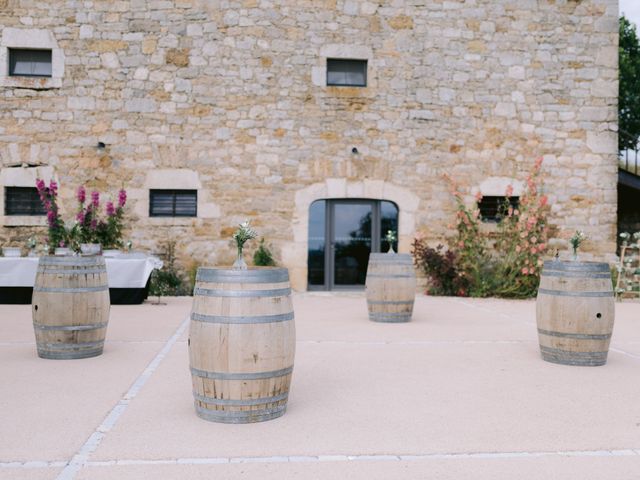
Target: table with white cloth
(128, 275)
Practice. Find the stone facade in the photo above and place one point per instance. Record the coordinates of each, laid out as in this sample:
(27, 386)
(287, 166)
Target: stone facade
(230, 98)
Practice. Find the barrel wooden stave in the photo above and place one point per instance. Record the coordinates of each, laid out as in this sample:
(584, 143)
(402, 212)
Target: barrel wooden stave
(70, 307)
(390, 287)
(575, 313)
(242, 345)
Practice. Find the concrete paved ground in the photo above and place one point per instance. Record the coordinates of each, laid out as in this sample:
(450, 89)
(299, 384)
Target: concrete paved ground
(460, 392)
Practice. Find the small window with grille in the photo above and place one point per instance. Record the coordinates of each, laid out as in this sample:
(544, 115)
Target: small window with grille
(346, 73)
(173, 203)
(29, 63)
(22, 201)
(491, 208)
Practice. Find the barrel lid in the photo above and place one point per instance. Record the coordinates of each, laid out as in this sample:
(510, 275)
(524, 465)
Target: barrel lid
(251, 275)
(71, 260)
(395, 258)
(573, 266)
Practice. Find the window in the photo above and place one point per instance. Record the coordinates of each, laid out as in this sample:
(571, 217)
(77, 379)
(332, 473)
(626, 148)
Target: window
(491, 207)
(346, 73)
(29, 63)
(173, 203)
(22, 201)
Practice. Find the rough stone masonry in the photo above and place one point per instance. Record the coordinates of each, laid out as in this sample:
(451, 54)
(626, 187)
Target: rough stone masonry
(229, 97)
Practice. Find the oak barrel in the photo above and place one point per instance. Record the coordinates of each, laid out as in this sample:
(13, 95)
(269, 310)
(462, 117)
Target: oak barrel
(575, 312)
(70, 307)
(241, 344)
(391, 287)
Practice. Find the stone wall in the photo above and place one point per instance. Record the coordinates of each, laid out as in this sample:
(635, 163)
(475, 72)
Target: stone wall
(229, 97)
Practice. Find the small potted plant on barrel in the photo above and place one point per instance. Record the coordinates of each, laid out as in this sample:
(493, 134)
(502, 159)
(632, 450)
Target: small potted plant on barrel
(242, 332)
(575, 309)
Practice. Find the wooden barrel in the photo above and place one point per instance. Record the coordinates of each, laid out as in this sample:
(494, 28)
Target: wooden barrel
(391, 287)
(70, 307)
(241, 344)
(575, 312)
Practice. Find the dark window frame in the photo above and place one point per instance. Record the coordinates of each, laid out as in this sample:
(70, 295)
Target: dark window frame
(13, 52)
(28, 203)
(347, 61)
(489, 207)
(174, 194)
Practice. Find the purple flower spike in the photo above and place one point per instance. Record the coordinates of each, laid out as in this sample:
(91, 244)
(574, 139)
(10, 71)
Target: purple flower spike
(51, 218)
(111, 210)
(53, 188)
(95, 198)
(94, 224)
(40, 185)
(122, 198)
(82, 194)
(80, 216)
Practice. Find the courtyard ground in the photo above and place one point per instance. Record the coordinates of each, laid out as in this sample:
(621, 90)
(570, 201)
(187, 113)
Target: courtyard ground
(460, 392)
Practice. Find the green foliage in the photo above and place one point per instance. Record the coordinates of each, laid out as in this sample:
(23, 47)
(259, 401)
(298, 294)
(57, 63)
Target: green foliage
(629, 90)
(263, 256)
(166, 281)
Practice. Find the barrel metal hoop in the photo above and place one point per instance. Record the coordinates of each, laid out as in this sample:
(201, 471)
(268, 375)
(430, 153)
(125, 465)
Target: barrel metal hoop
(215, 292)
(563, 293)
(71, 354)
(390, 318)
(70, 328)
(390, 302)
(66, 346)
(571, 274)
(218, 275)
(71, 261)
(576, 266)
(249, 402)
(565, 357)
(577, 336)
(72, 272)
(283, 317)
(241, 376)
(100, 288)
(243, 416)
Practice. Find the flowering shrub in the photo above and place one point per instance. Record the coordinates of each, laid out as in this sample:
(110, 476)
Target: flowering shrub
(512, 269)
(110, 231)
(522, 239)
(93, 229)
(88, 227)
(57, 235)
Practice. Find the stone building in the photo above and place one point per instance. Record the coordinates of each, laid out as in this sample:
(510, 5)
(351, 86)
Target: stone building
(259, 108)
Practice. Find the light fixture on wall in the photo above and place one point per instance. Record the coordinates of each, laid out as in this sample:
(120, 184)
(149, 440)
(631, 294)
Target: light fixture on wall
(101, 146)
(354, 150)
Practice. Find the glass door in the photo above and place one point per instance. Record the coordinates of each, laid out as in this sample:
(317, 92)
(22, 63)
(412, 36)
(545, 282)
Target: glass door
(351, 236)
(342, 233)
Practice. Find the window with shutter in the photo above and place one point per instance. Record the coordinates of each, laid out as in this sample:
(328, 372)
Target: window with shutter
(490, 207)
(173, 203)
(22, 201)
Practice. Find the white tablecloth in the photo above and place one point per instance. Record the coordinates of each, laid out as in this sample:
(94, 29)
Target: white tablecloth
(126, 270)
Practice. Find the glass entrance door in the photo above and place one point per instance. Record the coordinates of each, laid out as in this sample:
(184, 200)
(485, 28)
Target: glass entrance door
(342, 234)
(351, 239)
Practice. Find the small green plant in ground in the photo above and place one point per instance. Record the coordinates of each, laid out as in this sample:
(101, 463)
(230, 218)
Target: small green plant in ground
(166, 281)
(263, 257)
